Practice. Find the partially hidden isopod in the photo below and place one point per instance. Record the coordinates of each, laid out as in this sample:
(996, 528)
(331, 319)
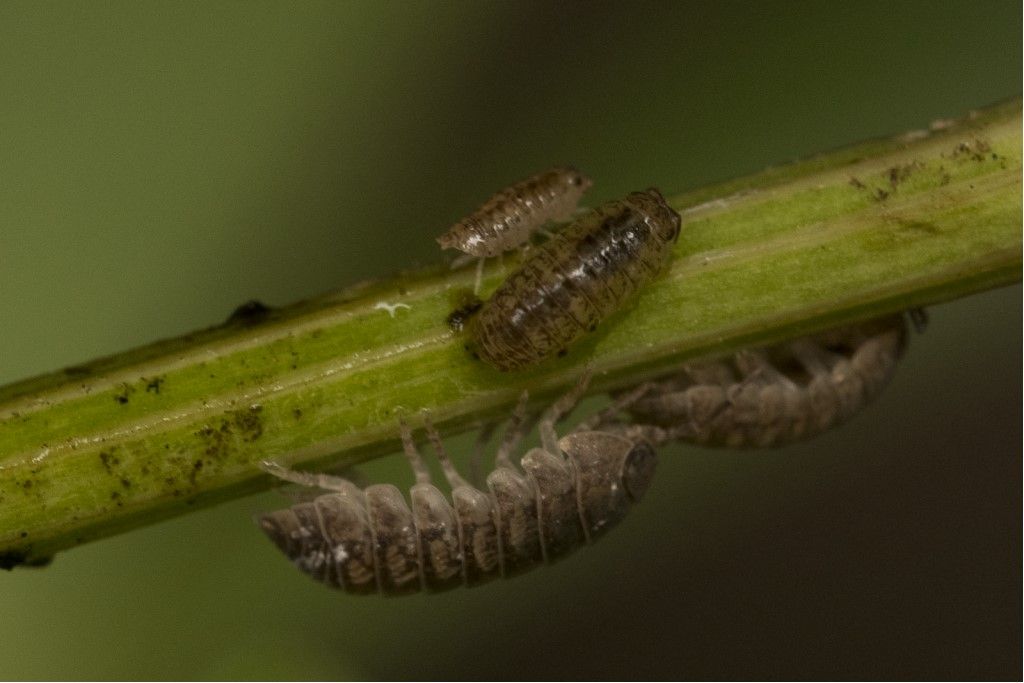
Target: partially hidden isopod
(771, 396)
(510, 217)
(568, 493)
(570, 283)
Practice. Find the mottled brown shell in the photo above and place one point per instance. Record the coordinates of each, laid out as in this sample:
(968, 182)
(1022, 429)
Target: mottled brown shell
(510, 217)
(574, 280)
(772, 396)
(566, 495)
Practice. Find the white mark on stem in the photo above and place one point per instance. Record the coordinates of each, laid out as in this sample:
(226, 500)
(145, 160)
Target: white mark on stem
(389, 307)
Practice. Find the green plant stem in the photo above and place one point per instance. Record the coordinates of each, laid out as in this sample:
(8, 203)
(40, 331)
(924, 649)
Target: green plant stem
(864, 231)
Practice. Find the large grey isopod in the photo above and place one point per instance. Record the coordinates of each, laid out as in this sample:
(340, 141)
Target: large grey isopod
(566, 494)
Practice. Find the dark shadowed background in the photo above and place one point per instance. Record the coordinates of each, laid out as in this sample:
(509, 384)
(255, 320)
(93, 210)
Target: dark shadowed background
(160, 163)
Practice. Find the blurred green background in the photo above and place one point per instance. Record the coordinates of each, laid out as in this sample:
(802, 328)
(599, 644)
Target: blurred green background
(160, 163)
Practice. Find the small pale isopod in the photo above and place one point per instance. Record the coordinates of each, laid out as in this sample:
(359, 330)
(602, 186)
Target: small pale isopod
(511, 216)
(574, 280)
(568, 493)
(771, 396)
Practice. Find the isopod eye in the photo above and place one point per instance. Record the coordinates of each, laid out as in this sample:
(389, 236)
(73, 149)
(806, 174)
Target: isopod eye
(638, 470)
(677, 222)
(577, 179)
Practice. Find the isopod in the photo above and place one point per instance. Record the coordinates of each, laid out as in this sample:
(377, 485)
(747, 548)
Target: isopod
(568, 493)
(511, 216)
(771, 396)
(574, 280)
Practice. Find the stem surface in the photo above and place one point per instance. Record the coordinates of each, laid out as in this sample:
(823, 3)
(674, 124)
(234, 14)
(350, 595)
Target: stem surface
(864, 231)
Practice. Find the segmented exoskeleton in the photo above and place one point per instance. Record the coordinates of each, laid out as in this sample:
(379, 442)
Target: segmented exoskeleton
(511, 216)
(568, 493)
(570, 283)
(771, 396)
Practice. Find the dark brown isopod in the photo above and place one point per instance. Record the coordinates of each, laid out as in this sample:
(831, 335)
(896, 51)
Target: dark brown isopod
(574, 280)
(567, 493)
(771, 396)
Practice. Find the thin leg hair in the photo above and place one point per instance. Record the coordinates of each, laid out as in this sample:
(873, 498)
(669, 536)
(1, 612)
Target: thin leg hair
(323, 481)
(514, 433)
(558, 410)
(419, 468)
(617, 406)
(450, 473)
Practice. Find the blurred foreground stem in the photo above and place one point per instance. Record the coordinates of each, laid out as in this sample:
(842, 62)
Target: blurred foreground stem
(867, 230)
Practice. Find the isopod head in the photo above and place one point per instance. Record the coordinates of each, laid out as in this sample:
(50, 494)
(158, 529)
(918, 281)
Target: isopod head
(563, 180)
(612, 473)
(638, 470)
(577, 179)
(666, 222)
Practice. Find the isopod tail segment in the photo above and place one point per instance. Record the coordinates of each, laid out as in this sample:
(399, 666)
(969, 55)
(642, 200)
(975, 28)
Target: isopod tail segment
(565, 494)
(304, 532)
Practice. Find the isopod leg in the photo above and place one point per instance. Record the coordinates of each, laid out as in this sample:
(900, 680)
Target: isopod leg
(755, 367)
(415, 461)
(450, 472)
(621, 403)
(558, 410)
(476, 474)
(919, 318)
(835, 385)
(656, 436)
(323, 481)
(479, 275)
(461, 260)
(514, 433)
(816, 360)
